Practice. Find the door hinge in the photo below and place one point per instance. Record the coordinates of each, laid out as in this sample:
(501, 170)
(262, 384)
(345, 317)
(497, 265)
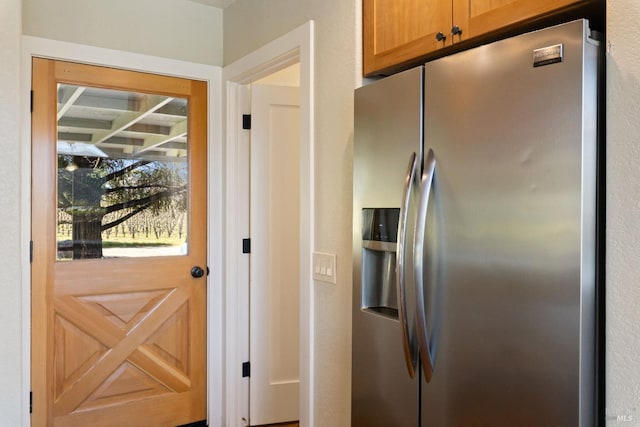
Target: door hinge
(30, 250)
(246, 369)
(31, 101)
(246, 246)
(31, 402)
(246, 121)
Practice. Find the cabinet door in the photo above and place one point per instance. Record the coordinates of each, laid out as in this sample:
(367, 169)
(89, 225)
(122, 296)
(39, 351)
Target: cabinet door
(396, 31)
(477, 17)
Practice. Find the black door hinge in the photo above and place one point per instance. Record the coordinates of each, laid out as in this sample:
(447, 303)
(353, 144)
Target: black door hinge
(246, 121)
(31, 402)
(246, 369)
(246, 246)
(30, 250)
(31, 101)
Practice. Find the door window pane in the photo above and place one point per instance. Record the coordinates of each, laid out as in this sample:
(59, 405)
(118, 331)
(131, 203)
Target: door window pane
(122, 174)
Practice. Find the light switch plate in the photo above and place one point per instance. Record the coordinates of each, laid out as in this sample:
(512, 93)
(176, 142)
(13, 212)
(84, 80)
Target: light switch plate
(324, 267)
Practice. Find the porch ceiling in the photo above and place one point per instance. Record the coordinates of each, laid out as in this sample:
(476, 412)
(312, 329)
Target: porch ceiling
(111, 123)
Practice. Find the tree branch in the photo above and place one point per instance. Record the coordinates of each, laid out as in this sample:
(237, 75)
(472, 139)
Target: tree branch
(124, 218)
(126, 170)
(137, 187)
(144, 201)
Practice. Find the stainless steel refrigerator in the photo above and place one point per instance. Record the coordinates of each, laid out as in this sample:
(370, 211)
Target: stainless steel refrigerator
(475, 237)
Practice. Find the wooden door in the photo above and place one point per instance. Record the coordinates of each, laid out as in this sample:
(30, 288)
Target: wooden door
(274, 343)
(397, 31)
(478, 17)
(118, 338)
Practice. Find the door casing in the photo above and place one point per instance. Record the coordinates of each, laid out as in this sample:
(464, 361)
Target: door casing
(38, 47)
(295, 46)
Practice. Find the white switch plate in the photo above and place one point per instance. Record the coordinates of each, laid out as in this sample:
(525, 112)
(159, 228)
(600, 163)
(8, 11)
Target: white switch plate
(324, 267)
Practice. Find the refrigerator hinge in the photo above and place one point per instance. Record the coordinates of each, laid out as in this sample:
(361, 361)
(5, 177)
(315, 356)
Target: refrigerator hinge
(246, 369)
(246, 246)
(246, 121)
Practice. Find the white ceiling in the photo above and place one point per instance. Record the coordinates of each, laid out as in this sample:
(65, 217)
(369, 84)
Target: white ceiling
(215, 3)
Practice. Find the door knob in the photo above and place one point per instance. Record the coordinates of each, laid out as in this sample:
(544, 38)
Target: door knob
(197, 272)
(456, 31)
(440, 36)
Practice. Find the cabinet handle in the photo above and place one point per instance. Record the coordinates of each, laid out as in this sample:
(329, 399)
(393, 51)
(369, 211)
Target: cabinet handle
(440, 36)
(456, 31)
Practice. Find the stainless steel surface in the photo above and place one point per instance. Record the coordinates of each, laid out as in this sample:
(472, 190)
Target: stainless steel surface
(515, 193)
(401, 267)
(420, 253)
(388, 128)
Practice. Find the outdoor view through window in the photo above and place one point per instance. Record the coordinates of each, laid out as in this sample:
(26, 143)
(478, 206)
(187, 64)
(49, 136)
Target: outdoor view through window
(122, 174)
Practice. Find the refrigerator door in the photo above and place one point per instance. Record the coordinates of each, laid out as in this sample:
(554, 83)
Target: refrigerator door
(387, 161)
(509, 256)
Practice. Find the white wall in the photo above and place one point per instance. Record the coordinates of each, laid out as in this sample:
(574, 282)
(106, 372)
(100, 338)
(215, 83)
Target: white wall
(623, 210)
(337, 59)
(12, 393)
(177, 29)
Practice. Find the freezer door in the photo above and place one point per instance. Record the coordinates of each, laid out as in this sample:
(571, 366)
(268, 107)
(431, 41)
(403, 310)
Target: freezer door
(387, 159)
(509, 246)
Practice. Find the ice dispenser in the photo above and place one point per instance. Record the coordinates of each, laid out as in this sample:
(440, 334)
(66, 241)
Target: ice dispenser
(379, 237)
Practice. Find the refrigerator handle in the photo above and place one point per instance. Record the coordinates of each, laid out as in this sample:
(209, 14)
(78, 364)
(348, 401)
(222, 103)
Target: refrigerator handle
(401, 263)
(423, 335)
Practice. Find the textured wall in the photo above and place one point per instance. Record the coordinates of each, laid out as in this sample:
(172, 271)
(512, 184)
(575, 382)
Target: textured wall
(177, 29)
(267, 19)
(11, 391)
(623, 212)
(337, 58)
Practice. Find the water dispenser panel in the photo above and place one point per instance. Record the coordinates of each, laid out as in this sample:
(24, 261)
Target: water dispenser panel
(379, 237)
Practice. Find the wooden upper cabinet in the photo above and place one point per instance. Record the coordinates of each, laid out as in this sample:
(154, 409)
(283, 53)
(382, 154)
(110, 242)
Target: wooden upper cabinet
(479, 17)
(399, 32)
(396, 31)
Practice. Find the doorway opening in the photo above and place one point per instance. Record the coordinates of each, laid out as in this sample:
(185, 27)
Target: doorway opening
(274, 262)
(243, 78)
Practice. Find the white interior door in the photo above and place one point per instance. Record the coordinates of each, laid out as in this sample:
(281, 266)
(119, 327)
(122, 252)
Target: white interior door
(275, 255)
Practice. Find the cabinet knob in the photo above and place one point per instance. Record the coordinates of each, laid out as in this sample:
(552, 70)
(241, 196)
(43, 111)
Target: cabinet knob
(440, 36)
(456, 31)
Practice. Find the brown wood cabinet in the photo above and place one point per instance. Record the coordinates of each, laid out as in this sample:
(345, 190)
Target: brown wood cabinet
(399, 31)
(396, 31)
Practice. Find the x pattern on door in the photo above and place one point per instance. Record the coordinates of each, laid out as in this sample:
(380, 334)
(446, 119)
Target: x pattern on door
(124, 347)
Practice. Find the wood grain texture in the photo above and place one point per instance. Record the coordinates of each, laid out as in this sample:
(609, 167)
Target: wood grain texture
(400, 31)
(116, 341)
(397, 31)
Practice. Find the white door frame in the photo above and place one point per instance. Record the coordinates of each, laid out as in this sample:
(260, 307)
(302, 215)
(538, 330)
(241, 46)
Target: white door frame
(295, 46)
(52, 49)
